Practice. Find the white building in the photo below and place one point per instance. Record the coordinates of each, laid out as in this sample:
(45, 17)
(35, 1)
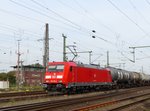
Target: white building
(4, 84)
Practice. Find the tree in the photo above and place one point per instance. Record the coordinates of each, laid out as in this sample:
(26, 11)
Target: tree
(10, 76)
(3, 76)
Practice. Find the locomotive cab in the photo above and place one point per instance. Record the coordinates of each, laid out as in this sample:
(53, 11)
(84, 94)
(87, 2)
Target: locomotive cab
(56, 75)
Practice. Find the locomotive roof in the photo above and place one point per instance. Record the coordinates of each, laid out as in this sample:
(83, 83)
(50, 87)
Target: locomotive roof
(96, 66)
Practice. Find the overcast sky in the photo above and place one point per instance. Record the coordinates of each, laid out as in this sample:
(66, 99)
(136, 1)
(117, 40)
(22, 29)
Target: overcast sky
(119, 24)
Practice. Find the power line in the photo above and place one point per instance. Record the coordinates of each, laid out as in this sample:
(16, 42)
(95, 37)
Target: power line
(105, 40)
(49, 16)
(28, 18)
(69, 6)
(64, 18)
(55, 13)
(102, 24)
(147, 1)
(8, 27)
(135, 8)
(41, 13)
(92, 17)
(75, 24)
(93, 21)
(146, 21)
(128, 17)
(12, 13)
(88, 15)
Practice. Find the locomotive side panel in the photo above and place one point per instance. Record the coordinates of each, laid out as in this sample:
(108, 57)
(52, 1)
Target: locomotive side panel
(82, 76)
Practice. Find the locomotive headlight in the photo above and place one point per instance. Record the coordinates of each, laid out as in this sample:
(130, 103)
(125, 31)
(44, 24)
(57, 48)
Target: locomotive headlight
(48, 77)
(59, 76)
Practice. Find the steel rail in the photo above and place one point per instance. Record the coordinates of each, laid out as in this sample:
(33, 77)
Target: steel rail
(96, 106)
(21, 93)
(59, 103)
(129, 105)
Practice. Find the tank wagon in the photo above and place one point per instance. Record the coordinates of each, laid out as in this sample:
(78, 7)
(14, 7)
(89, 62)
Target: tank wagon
(122, 78)
(73, 77)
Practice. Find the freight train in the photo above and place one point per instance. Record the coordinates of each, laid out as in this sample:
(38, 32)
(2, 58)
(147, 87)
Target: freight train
(78, 77)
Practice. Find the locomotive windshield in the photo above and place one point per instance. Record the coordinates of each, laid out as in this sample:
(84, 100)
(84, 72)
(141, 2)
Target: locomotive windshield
(55, 68)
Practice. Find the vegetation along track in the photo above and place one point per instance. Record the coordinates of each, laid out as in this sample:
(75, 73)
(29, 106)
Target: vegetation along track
(65, 102)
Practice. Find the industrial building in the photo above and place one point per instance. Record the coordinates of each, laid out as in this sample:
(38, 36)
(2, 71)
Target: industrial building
(29, 74)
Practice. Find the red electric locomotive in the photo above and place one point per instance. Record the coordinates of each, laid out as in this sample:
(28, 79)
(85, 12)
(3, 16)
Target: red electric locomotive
(72, 76)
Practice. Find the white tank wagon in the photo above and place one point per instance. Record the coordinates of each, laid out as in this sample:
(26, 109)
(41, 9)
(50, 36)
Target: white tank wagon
(145, 78)
(135, 78)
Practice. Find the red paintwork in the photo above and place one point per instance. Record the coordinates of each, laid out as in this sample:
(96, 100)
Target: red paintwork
(84, 74)
(78, 74)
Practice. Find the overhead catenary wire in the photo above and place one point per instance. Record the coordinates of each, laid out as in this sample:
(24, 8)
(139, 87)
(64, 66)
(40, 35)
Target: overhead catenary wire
(85, 29)
(32, 19)
(88, 15)
(64, 4)
(38, 11)
(20, 15)
(73, 23)
(136, 24)
(104, 40)
(41, 13)
(56, 13)
(148, 2)
(140, 14)
(92, 18)
(87, 35)
(25, 39)
(8, 27)
(68, 20)
(130, 20)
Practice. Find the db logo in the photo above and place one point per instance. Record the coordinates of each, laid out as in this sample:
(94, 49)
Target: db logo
(54, 76)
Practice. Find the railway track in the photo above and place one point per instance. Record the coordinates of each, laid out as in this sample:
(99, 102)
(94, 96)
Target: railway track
(26, 96)
(124, 103)
(2, 95)
(130, 104)
(18, 98)
(46, 106)
(6, 97)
